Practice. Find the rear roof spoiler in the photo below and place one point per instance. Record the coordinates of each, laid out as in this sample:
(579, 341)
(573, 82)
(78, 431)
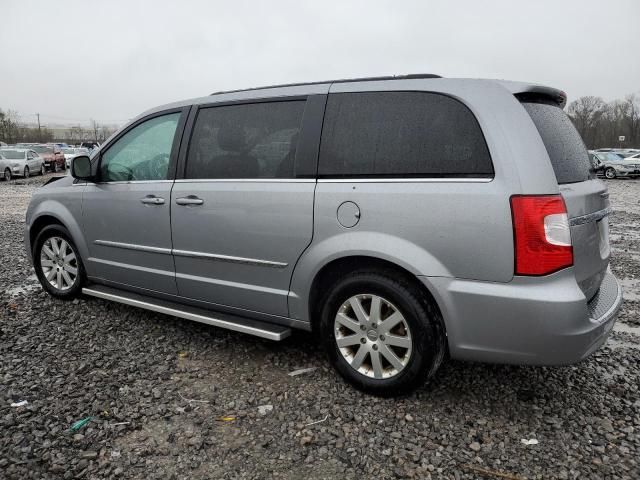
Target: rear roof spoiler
(531, 91)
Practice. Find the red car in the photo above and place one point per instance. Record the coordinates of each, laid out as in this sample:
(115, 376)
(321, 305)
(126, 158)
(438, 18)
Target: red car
(53, 157)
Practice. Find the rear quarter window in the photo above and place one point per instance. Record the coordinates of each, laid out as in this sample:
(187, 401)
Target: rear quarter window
(568, 154)
(401, 134)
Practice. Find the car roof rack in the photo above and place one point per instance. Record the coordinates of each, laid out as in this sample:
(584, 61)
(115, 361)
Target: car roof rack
(344, 80)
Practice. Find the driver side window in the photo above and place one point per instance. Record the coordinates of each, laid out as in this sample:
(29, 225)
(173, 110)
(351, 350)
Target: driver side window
(142, 153)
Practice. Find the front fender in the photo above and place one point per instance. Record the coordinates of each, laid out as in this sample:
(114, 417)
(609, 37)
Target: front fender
(398, 251)
(68, 213)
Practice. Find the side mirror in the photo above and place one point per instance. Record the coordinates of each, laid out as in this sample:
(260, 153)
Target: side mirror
(81, 168)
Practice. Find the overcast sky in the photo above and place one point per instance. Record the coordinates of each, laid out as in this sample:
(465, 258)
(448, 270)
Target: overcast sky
(75, 60)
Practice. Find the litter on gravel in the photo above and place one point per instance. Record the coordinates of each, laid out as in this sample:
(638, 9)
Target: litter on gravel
(302, 371)
(264, 409)
(529, 441)
(21, 403)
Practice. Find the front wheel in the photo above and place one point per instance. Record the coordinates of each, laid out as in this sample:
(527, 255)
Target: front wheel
(26, 172)
(55, 167)
(382, 334)
(43, 170)
(7, 174)
(610, 173)
(57, 263)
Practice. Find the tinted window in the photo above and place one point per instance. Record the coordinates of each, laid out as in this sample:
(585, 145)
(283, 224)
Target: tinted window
(245, 141)
(401, 134)
(564, 145)
(142, 153)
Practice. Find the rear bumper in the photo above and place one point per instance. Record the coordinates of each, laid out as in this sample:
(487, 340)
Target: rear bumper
(535, 321)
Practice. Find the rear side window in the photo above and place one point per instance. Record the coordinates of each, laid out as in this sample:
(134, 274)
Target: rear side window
(401, 134)
(565, 147)
(246, 141)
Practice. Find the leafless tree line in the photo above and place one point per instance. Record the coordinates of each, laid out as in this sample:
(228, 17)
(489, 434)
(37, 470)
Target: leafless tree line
(12, 131)
(601, 123)
(95, 132)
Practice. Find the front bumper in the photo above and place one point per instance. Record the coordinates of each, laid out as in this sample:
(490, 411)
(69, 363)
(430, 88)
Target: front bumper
(530, 320)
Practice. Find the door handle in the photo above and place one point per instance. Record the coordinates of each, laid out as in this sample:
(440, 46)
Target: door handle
(190, 200)
(152, 200)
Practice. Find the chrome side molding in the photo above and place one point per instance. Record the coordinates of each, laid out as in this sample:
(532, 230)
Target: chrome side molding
(132, 246)
(187, 253)
(229, 258)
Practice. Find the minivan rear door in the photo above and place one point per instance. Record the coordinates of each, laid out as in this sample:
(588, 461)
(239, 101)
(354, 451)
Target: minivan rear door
(586, 198)
(242, 213)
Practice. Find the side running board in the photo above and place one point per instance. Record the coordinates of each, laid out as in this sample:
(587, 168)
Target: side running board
(266, 330)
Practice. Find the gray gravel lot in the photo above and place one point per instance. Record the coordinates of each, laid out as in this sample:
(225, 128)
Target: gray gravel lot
(175, 399)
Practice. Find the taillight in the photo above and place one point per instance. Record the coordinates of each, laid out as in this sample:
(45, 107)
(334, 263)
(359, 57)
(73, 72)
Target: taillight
(541, 234)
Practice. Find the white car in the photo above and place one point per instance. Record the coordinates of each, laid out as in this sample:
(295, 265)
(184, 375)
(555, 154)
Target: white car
(70, 153)
(20, 162)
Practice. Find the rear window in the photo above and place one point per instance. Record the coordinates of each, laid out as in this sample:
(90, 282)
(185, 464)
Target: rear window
(565, 147)
(401, 134)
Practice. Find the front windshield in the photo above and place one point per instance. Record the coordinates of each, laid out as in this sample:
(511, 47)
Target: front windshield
(611, 157)
(43, 149)
(12, 154)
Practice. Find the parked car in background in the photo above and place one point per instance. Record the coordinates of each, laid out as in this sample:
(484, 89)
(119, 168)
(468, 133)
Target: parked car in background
(2, 144)
(613, 164)
(53, 157)
(90, 145)
(20, 162)
(304, 207)
(70, 153)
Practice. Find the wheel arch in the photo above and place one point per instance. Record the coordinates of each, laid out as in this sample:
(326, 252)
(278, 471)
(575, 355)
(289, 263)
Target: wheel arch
(44, 217)
(357, 249)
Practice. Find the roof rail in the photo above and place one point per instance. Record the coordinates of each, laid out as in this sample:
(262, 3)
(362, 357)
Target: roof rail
(344, 80)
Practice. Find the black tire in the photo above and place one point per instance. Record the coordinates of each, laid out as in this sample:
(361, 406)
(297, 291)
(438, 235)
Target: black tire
(7, 175)
(43, 170)
(26, 172)
(421, 314)
(54, 169)
(42, 237)
(64, 165)
(610, 173)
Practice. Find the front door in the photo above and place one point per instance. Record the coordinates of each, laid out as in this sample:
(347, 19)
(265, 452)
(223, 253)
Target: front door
(126, 212)
(243, 214)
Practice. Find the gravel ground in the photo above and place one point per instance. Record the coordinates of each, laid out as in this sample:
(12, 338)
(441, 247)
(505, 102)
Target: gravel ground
(175, 399)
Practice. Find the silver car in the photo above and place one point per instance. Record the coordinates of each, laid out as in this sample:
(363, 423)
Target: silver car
(401, 220)
(20, 162)
(71, 152)
(614, 164)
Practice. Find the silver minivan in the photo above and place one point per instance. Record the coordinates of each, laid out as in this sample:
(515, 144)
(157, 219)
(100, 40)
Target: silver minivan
(402, 220)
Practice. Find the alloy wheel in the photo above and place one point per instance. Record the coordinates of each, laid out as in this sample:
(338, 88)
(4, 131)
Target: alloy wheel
(610, 173)
(59, 263)
(373, 336)
(26, 172)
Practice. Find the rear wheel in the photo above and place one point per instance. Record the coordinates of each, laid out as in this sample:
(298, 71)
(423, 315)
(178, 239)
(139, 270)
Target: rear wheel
(42, 169)
(610, 173)
(55, 167)
(26, 172)
(382, 334)
(57, 262)
(7, 174)
(64, 165)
